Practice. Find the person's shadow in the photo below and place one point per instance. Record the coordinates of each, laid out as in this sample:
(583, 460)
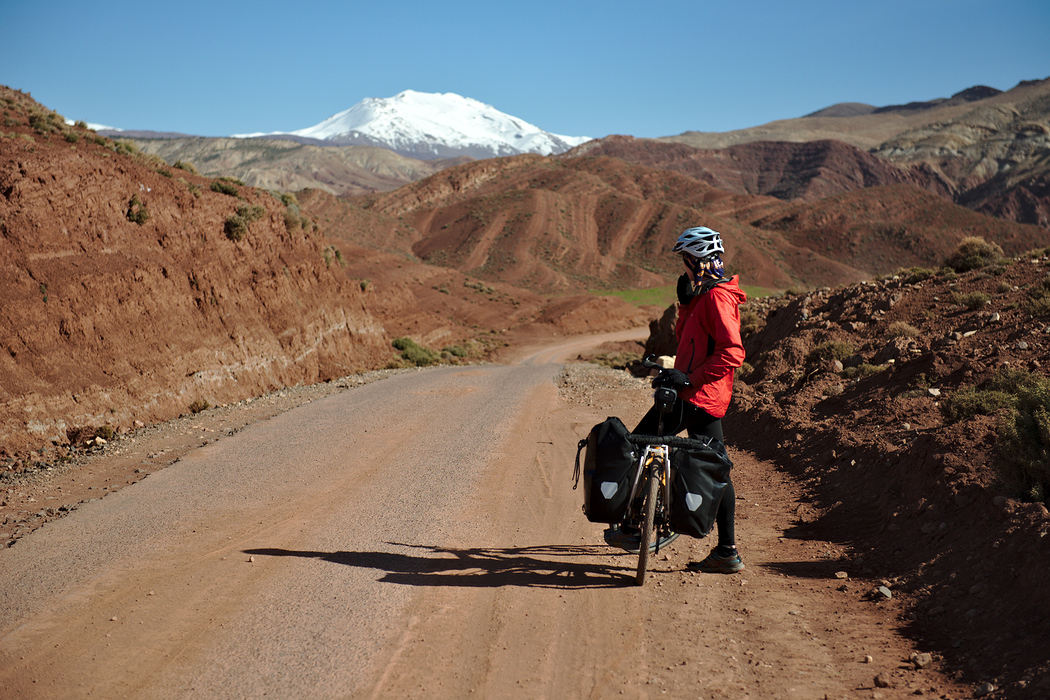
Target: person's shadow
(550, 566)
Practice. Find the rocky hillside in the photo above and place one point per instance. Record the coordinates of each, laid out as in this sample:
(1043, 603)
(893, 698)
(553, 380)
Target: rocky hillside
(985, 149)
(132, 290)
(135, 292)
(806, 171)
(914, 409)
(575, 222)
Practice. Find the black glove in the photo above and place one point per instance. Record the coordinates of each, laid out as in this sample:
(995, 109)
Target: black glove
(686, 293)
(672, 378)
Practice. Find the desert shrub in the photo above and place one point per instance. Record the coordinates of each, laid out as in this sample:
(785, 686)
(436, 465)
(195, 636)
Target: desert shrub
(973, 253)
(333, 253)
(971, 300)
(40, 123)
(187, 166)
(970, 401)
(251, 212)
(126, 147)
(236, 228)
(1024, 440)
(106, 432)
(915, 274)
(414, 352)
(289, 200)
(199, 405)
(1000, 391)
(71, 136)
(863, 370)
(292, 217)
(1039, 298)
(826, 352)
(224, 187)
(744, 370)
(457, 350)
(900, 329)
(365, 285)
(137, 211)
(750, 322)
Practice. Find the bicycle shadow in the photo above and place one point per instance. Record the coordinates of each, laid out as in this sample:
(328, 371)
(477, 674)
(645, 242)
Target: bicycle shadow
(480, 567)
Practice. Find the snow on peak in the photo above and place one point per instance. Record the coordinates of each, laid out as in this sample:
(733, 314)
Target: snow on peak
(436, 125)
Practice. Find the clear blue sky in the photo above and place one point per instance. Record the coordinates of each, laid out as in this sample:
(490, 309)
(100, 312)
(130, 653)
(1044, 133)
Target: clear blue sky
(573, 68)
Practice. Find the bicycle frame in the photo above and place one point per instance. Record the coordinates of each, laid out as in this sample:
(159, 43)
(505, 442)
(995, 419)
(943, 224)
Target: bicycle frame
(653, 457)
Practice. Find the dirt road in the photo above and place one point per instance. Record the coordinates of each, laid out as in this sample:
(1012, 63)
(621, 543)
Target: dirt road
(419, 536)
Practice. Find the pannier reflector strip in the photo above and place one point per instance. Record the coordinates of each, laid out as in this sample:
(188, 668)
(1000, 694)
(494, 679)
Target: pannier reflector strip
(693, 501)
(609, 489)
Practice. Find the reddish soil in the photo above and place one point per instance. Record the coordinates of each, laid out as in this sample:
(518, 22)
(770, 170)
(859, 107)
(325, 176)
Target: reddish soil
(108, 322)
(915, 499)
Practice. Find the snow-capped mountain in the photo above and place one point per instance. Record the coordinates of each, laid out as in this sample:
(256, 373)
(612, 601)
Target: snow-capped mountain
(432, 125)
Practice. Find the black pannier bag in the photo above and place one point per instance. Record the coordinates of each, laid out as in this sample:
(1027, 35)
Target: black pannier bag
(607, 470)
(699, 476)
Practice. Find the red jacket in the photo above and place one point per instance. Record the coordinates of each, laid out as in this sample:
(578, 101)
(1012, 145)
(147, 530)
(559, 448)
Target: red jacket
(709, 346)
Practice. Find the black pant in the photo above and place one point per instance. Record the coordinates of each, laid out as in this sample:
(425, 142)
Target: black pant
(696, 421)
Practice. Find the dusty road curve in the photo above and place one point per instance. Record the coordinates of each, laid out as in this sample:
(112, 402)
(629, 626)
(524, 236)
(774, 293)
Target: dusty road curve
(418, 536)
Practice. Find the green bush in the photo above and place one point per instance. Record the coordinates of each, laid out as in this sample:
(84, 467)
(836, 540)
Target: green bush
(971, 300)
(970, 401)
(414, 353)
(137, 211)
(973, 253)
(236, 228)
(863, 370)
(1039, 298)
(292, 218)
(199, 405)
(224, 187)
(1022, 400)
(915, 274)
(1024, 441)
(187, 166)
(826, 352)
(251, 212)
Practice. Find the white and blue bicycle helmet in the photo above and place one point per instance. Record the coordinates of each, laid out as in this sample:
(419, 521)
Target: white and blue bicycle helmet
(700, 242)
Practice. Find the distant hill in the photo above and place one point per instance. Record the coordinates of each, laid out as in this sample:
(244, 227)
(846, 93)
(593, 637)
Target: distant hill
(289, 166)
(986, 149)
(578, 222)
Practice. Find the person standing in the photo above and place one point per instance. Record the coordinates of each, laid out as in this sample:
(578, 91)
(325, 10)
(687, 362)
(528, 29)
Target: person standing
(709, 352)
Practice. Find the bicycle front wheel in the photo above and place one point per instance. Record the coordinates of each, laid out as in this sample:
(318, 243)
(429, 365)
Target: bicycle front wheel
(652, 491)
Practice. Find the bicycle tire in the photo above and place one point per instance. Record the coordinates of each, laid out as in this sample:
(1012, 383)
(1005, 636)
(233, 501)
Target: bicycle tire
(652, 487)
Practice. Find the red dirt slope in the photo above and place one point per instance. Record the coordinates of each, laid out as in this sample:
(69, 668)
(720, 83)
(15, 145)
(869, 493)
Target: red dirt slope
(917, 499)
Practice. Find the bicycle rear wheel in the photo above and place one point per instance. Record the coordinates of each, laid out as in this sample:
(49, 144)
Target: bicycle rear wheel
(652, 488)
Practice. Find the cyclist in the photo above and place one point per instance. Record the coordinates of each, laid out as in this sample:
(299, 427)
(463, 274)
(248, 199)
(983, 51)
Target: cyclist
(709, 351)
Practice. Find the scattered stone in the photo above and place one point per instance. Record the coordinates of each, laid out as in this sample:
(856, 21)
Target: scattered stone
(842, 575)
(868, 659)
(883, 681)
(885, 592)
(933, 392)
(921, 659)
(984, 689)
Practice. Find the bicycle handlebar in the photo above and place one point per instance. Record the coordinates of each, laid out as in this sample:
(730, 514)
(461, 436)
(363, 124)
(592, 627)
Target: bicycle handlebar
(671, 440)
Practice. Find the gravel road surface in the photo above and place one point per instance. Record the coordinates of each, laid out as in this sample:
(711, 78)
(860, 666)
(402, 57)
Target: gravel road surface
(419, 536)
